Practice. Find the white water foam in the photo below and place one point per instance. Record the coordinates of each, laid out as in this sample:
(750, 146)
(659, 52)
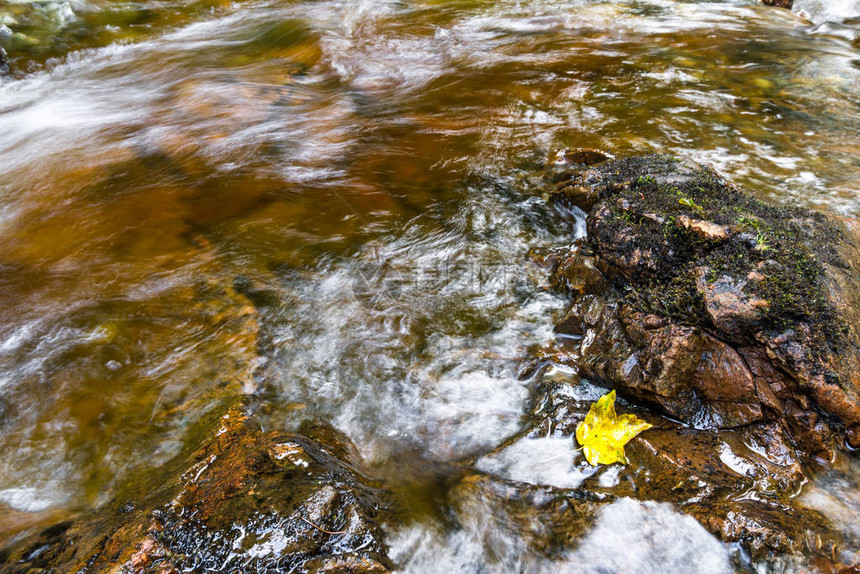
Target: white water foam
(550, 460)
(630, 536)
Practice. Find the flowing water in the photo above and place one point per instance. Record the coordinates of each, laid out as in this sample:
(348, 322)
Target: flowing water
(362, 172)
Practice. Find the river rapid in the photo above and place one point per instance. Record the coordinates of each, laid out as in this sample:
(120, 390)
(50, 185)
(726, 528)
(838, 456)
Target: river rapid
(363, 173)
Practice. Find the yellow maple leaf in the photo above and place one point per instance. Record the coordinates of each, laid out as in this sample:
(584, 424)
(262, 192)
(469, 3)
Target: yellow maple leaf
(603, 435)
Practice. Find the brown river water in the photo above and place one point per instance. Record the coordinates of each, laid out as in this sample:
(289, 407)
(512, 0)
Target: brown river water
(362, 171)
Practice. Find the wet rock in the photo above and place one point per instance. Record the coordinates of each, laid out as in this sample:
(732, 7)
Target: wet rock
(549, 258)
(737, 319)
(705, 230)
(581, 190)
(778, 3)
(728, 405)
(579, 156)
(710, 476)
(739, 483)
(724, 311)
(577, 274)
(245, 501)
(767, 528)
(683, 370)
(729, 307)
(570, 325)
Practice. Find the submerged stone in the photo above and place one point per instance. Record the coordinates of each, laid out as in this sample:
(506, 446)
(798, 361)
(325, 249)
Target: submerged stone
(542, 518)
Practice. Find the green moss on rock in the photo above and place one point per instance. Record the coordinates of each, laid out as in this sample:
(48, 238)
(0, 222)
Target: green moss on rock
(776, 289)
(786, 247)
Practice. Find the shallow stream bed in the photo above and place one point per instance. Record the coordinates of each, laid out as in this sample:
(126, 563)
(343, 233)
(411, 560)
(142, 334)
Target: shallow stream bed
(328, 205)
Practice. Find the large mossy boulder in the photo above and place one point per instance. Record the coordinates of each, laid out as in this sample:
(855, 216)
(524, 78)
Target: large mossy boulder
(735, 320)
(246, 501)
(719, 309)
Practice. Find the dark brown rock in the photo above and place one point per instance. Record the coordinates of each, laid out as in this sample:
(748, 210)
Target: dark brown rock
(766, 528)
(685, 371)
(246, 500)
(726, 386)
(578, 275)
(758, 307)
(582, 190)
(580, 156)
(730, 308)
(739, 319)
